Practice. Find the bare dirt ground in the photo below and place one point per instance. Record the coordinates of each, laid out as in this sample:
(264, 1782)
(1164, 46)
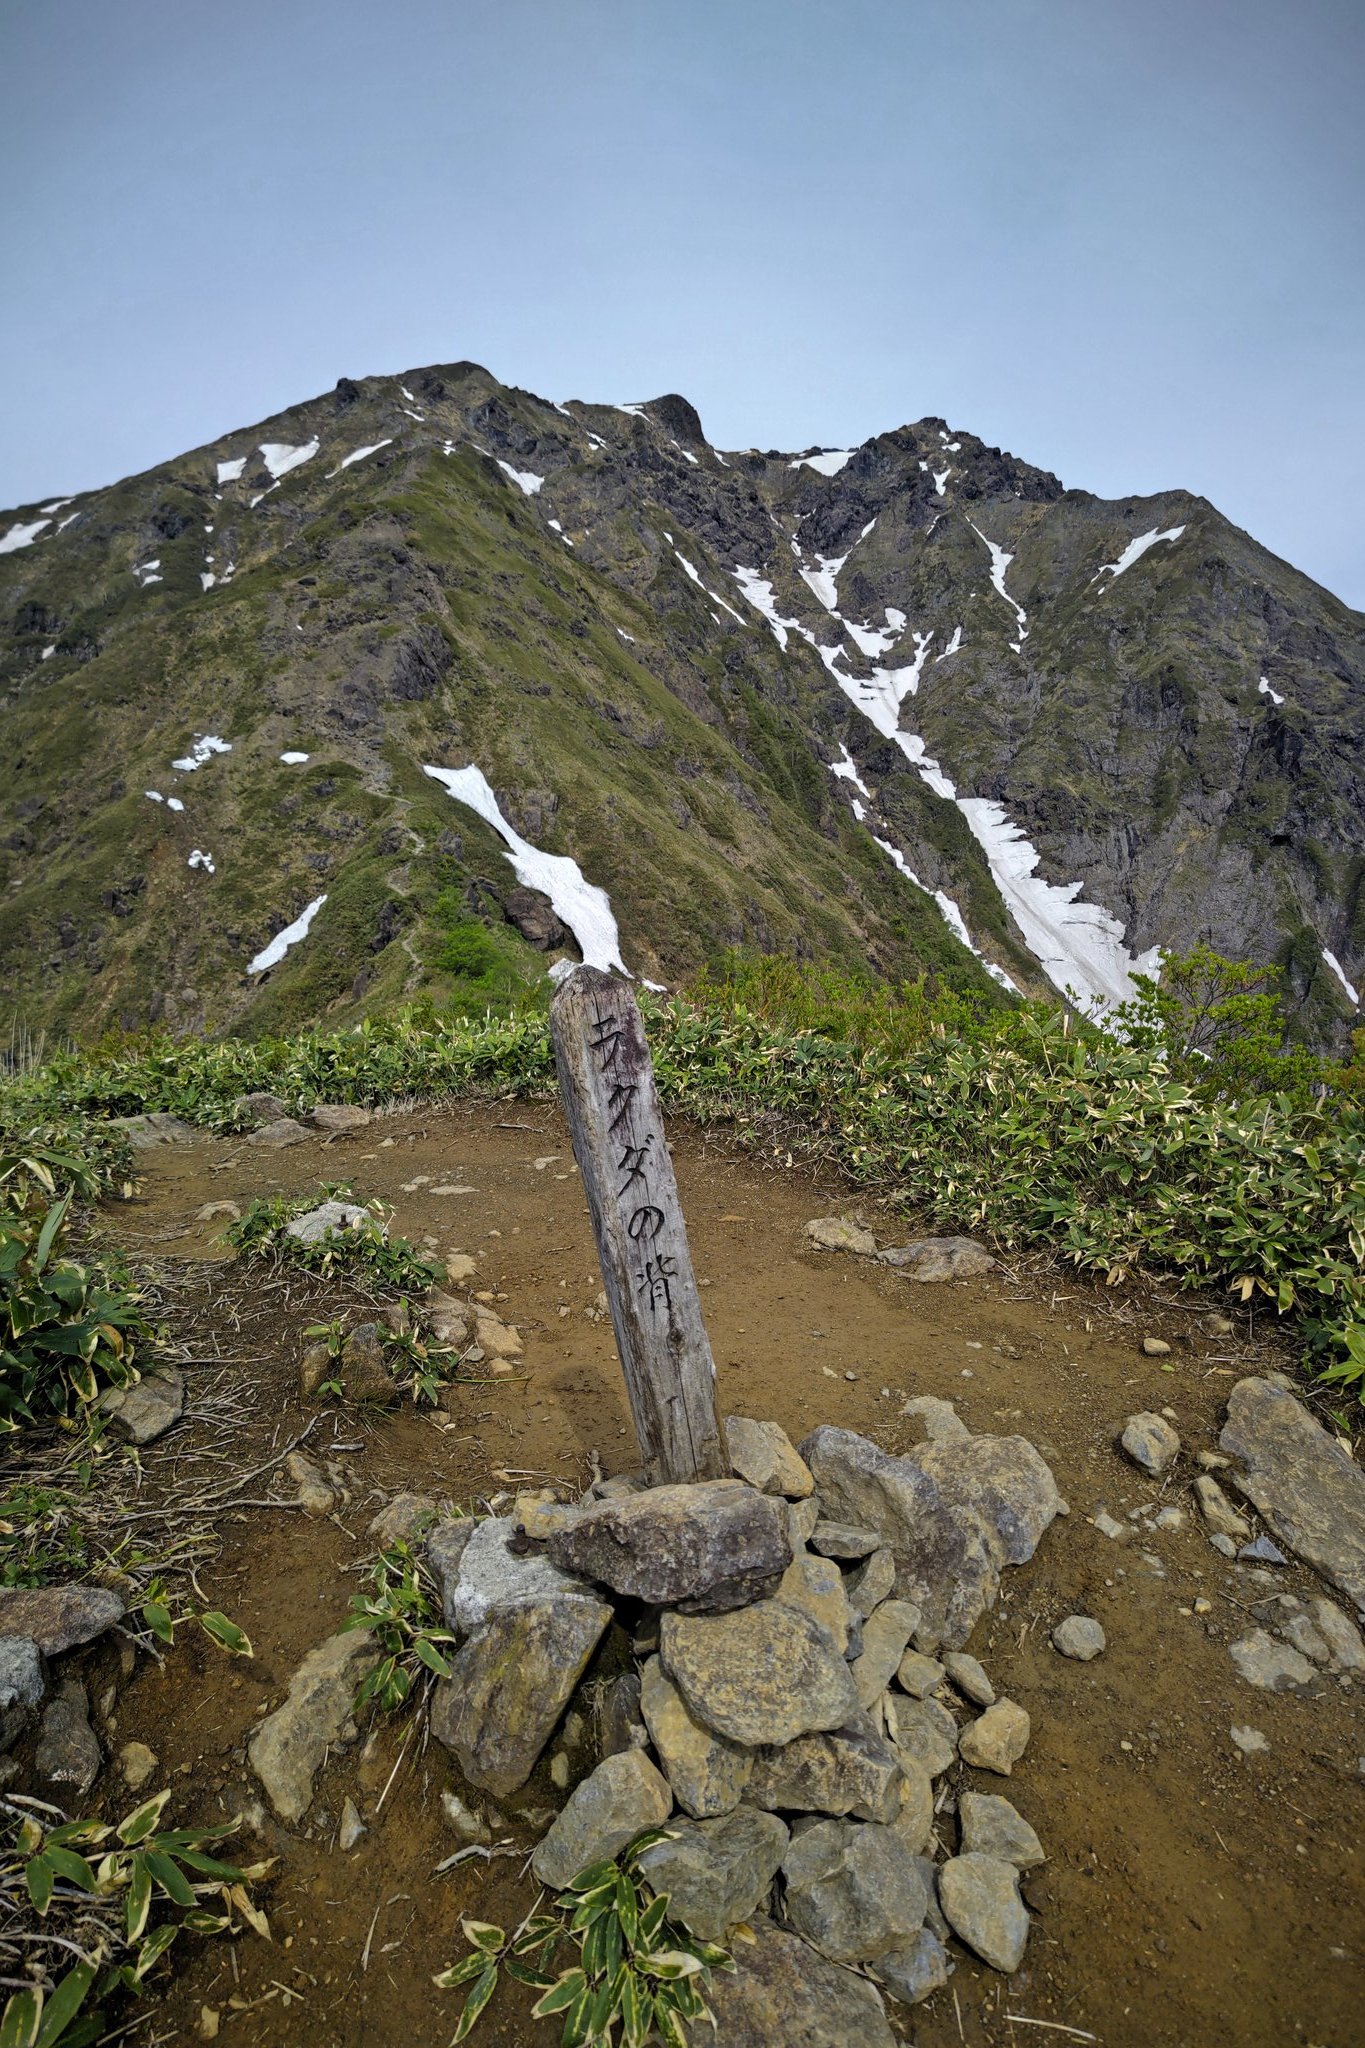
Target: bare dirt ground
(1192, 1896)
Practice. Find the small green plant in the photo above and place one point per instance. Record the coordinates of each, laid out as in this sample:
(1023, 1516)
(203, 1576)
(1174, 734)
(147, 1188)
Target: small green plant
(157, 1613)
(636, 1969)
(66, 1329)
(86, 1888)
(404, 1614)
(362, 1249)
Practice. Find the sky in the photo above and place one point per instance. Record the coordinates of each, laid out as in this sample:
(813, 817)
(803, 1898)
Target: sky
(1123, 242)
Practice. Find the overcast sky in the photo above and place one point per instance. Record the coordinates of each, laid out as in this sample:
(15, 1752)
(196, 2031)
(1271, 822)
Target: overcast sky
(1122, 241)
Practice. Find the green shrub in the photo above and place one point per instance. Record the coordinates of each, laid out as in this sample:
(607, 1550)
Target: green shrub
(66, 1329)
(363, 1249)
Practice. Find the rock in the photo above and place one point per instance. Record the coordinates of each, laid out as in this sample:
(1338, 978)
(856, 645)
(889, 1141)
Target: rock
(1218, 1511)
(942, 1423)
(886, 1633)
(1151, 1443)
(273, 1137)
(339, 1116)
(446, 1543)
(939, 1258)
(143, 1412)
(288, 1748)
(969, 1678)
(838, 1539)
(816, 1586)
(510, 1683)
(703, 1549)
(853, 1891)
(1212, 1461)
(919, 1675)
(925, 1731)
(1268, 1665)
(56, 1618)
(403, 1520)
(981, 1902)
(1261, 1551)
(1155, 1347)
(996, 1740)
(1341, 1635)
(352, 1826)
(67, 1759)
(850, 1770)
(802, 1516)
(914, 1821)
(1300, 1633)
(259, 1108)
(469, 1825)
(22, 1686)
(1117, 1532)
(316, 1367)
(1304, 1483)
(498, 1339)
(707, 1773)
(1224, 1545)
(912, 1973)
(782, 1992)
(841, 1234)
(717, 1872)
(1249, 1740)
(480, 1573)
(869, 1587)
(618, 1717)
(460, 1266)
(314, 1496)
(624, 1796)
(1169, 1518)
(329, 1219)
(761, 1675)
(542, 1515)
(209, 1212)
(764, 1455)
(155, 1128)
(1079, 1637)
(448, 1320)
(992, 1827)
(953, 1514)
(137, 1764)
(363, 1367)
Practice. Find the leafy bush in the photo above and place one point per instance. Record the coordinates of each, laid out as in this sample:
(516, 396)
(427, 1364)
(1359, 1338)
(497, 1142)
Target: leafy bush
(66, 1329)
(404, 1614)
(1220, 1024)
(363, 1249)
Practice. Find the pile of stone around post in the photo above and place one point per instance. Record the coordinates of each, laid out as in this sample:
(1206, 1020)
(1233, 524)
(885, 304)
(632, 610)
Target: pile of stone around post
(774, 1667)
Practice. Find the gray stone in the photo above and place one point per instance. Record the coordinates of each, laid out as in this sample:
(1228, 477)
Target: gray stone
(1249, 1740)
(717, 1872)
(838, 1539)
(329, 1219)
(1150, 1442)
(912, 1973)
(992, 1827)
(1079, 1637)
(707, 1773)
(919, 1675)
(339, 1116)
(1268, 1665)
(1261, 1551)
(56, 1618)
(273, 1137)
(402, 1521)
(480, 1573)
(942, 1423)
(1218, 1512)
(703, 1549)
(364, 1367)
(288, 1748)
(259, 1107)
(618, 1716)
(954, 1515)
(997, 1739)
(352, 1826)
(925, 1731)
(154, 1128)
(1301, 1634)
(981, 1902)
(1341, 1635)
(1155, 1347)
(841, 1234)
(67, 1759)
(1224, 1545)
(624, 1796)
(510, 1683)
(542, 1515)
(969, 1678)
(886, 1632)
(869, 1587)
(816, 1586)
(764, 1674)
(850, 1770)
(1305, 1484)
(146, 1410)
(939, 1258)
(765, 1456)
(781, 1994)
(314, 1495)
(802, 1517)
(137, 1764)
(853, 1891)
(22, 1687)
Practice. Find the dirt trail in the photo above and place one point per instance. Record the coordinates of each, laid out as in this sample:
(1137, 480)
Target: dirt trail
(1192, 1896)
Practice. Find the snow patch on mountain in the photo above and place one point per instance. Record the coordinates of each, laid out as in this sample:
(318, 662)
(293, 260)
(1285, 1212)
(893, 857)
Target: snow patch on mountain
(280, 457)
(1135, 550)
(829, 463)
(526, 480)
(1353, 994)
(205, 745)
(21, 535)
(230, 472)
(359, 454)
(1000, 562)
(272, 954)
(1263, 689)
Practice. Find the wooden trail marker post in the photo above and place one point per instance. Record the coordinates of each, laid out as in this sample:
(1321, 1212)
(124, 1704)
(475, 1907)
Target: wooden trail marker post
(607, 1084)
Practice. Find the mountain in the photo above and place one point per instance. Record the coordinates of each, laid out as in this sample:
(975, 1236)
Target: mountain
(912, 704)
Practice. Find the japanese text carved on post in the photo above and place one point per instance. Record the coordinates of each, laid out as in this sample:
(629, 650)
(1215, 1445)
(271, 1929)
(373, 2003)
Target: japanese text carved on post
(607, 1084)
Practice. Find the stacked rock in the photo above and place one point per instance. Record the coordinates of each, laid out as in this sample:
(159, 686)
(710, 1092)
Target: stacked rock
(789, 1676)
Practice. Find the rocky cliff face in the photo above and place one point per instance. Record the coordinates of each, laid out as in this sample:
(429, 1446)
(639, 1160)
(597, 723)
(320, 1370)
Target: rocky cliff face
(911, 704)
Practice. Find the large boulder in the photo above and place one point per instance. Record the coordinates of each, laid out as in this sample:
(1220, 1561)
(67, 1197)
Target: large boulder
(851, 1770)
(702, 1549)
(717, 1872)
(154, 1128)
(763, 1454)
(952, 1513)
(782, 1992)
(816, 1586)
(510, 1683)
(484, 1566)
(56, 1618)
(762, 1675)
(1305, 1484)
(707, 1773)
(22, 1686)
(853, 1891)
(288, 1748)
(624, 1796)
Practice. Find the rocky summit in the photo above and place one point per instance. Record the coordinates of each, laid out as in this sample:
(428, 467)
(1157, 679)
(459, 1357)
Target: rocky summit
(429, 676)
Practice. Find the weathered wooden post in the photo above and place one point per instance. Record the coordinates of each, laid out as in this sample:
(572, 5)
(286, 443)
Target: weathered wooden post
(607, 1083)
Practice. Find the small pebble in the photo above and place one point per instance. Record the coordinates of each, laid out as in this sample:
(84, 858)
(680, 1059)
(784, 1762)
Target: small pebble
(1248, 1740)
(1156, 1347)
(1078, 1637)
